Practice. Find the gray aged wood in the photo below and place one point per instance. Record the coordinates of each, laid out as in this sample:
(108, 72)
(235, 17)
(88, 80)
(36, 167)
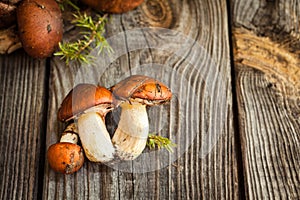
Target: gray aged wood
(22, 93)
(268, 88)
(188, 50)
(191, 55)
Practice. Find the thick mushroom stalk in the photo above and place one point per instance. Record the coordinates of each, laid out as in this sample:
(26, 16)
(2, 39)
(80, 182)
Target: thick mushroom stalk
(95, 139)
(88, 104)
(131, 136)
(133, 95)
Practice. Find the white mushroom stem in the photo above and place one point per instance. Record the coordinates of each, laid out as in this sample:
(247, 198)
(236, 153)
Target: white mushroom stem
(70, 134)
(94, 137)
(131, 135)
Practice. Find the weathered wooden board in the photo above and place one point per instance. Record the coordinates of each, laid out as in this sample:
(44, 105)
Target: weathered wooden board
(268, 87)
(191, 55)
(23, 84)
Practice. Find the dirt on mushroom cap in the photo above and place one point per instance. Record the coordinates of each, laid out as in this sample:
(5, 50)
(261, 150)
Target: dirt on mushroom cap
(65, 157)
(142, 87)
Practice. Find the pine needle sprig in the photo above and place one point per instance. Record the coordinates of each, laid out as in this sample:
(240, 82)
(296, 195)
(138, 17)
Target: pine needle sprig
(65, 3)
(91, 37)
(160, 142)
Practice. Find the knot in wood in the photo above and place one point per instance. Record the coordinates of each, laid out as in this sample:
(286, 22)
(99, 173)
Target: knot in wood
(157, 13)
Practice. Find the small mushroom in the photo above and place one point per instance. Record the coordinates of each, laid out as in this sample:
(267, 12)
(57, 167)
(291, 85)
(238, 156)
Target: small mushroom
(88, 104)
(66, 156)
(133, 95)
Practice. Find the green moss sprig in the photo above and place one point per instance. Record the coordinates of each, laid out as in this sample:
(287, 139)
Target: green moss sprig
(160, 142)
(91, 37)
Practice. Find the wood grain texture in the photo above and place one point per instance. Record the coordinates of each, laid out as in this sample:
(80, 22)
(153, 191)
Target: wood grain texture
(22, 99)
(270, 140)
(185, 45)
(193, 59)
(267, 61)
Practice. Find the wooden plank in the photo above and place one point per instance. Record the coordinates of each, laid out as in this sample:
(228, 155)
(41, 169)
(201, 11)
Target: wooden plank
(268, 86)
(23, 91)
(191, 55)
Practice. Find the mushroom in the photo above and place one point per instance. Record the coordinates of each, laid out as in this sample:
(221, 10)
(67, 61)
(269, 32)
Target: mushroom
(88, 104)
(133, 94)
(66, 156)
(116, 6)
(40, 27)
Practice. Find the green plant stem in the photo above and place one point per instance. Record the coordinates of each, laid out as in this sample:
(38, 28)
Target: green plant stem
(92, 33)
(64, 3)
(92, 36)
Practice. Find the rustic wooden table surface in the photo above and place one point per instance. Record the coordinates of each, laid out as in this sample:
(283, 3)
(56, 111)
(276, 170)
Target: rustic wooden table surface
(234, 67)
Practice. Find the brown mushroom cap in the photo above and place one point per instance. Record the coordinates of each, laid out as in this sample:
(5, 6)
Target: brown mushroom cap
(143, 89)
(65, 157)
(116, 6)
(40, 26)
(83, 97)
